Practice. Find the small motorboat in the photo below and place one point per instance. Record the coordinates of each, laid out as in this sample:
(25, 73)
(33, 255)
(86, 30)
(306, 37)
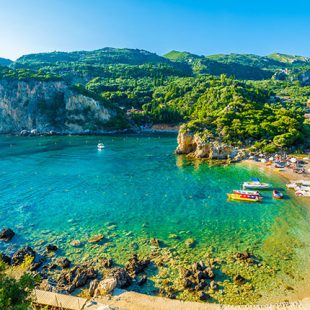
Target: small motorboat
(277, 195)
(241, 192)
(244, 197)
(100, 146)
(255, 184)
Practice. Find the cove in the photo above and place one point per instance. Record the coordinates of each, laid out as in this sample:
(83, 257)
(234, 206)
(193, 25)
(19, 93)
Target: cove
(59, 189)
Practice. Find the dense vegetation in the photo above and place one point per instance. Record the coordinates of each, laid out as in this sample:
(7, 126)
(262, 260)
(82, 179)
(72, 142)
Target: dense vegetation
(14, 294)
(237, 98)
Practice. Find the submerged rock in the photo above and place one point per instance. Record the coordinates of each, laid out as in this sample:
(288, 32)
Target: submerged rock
(51, 248)
(63, 262)
(75, 243)
(136, 266)
(96, 239)
(155, 242)
(204, 296)
(190, 242)
(141, 280)
(107, 263)
(20, 255)
(239, 280)
(6, 234)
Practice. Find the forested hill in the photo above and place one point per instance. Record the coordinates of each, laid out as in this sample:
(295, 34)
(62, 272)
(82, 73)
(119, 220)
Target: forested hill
(180, 87)
(5, 62)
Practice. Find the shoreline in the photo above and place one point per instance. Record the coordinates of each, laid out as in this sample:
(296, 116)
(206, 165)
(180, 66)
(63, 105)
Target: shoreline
(146, 301)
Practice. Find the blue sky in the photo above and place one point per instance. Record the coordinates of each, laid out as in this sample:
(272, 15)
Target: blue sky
(202, 27)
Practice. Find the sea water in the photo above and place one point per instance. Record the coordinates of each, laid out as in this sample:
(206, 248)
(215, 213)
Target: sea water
(58, 189)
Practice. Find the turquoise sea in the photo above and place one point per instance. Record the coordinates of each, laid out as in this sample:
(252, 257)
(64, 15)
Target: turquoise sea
(59, 189)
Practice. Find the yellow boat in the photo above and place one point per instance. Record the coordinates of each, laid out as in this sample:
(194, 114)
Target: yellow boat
(248, 198)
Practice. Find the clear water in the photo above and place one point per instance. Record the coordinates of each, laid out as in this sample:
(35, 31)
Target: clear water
(62, 188)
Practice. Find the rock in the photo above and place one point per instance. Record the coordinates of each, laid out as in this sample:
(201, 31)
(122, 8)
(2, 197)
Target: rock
(186, 273)
(35, 266)
(173, 236)
(155, 242)
(106, 286)
(203, 296)
(200, 286)
(15, 117)
(80, 278)
(75, 243)
(209, 273)
(243, 255)
(121, 276)
(96, 239)
(6, 234)
(52, 267)
(186, 283)
(190, 242)
(51, 248)
(75, 278)
(24, 133)
(91, 273)
(64, 262)
(136, 266)
(107, 263)
(93, 285)
(141, 280)
(201, 146)
(6, 259)
(199, 275)
(239, 280)
(20, 256)
(214, 286)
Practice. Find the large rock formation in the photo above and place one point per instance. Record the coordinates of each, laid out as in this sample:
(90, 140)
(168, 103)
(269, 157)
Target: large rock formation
(193, 144)
(49, 106)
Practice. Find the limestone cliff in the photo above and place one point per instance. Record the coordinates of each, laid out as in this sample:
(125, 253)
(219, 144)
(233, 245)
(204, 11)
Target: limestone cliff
(50, 106)
(194, 145)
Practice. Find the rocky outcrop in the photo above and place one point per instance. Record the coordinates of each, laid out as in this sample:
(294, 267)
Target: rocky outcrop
(49, 106)
(20, 256)
(194, 145)
(6, 234)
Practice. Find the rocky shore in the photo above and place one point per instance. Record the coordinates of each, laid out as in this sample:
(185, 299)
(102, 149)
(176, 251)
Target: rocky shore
(193, 145)
(228, 279)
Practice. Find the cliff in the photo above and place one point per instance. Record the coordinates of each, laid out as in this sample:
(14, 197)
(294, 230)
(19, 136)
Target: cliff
(196, 146)
(47, 106)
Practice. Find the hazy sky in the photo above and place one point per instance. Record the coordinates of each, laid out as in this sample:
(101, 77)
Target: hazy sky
(202, 27)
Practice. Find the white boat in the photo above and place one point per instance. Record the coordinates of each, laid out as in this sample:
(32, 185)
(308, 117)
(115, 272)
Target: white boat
(255, 184)
(301, 193)
(291, 185)
(100, 146)
(241, 192)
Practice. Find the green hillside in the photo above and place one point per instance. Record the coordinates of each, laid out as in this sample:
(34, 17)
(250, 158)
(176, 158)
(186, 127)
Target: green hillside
(5, 62)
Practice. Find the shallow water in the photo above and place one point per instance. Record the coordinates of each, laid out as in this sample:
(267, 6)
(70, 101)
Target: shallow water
(62, 188)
